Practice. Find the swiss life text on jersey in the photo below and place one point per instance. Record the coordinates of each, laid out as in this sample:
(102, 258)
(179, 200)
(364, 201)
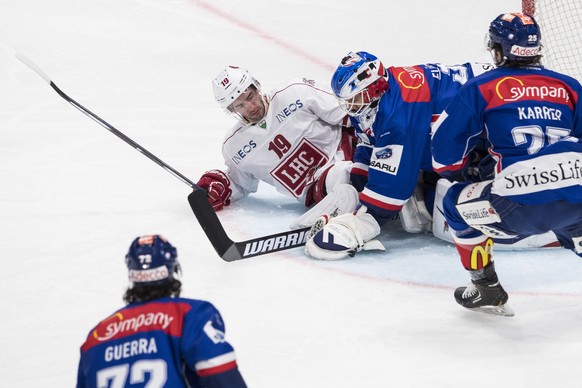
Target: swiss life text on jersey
(533, 120)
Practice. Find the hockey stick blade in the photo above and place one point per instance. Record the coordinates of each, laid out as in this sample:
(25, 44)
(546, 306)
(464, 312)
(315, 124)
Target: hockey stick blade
(230, 250)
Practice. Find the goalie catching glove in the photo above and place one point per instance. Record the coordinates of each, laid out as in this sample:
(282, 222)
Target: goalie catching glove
(217, 184)
(343, 236)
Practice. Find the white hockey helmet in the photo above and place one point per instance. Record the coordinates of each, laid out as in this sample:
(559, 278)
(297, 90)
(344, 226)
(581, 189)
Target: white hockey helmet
(231, 83)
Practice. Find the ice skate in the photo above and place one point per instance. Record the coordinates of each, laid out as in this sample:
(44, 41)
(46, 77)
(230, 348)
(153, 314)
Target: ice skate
(484, 297)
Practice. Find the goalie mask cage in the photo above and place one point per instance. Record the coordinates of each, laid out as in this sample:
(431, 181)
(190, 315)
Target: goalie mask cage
(561, 25)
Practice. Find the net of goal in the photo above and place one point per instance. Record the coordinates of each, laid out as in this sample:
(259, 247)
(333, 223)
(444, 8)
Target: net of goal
(561, 25)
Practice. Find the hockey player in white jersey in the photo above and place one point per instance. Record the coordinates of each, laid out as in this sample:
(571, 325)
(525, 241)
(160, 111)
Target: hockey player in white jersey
(295, 138)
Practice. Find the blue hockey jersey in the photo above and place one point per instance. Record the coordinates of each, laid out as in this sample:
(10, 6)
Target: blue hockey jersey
(396, 146)
(533, 120)
(169, 342)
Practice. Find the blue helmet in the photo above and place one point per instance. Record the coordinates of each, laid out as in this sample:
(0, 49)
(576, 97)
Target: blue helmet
(359, 81)
(151, 260)
(518, 35)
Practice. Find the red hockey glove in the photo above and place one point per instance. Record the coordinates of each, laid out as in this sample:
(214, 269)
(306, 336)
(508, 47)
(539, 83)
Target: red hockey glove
(217, 184)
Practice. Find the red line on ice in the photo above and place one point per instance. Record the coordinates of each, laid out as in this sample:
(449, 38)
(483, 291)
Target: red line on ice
(265, 35)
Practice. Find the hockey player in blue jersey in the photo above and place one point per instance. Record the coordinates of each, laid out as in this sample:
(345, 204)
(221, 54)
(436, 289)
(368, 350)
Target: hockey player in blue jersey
(392, 110)
(158, 339)
(533, 119)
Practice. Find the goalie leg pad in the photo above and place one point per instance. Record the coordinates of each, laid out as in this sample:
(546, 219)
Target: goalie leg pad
(343, 199)
(343, 236)
(337, 175)
(326, 180)
(440, 226)
(414, 216)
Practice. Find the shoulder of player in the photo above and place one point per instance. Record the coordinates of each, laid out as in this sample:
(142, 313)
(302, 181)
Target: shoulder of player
(230, 138)
(201, 311)
(199, 308)
(299, 86)
(195, 303)
(569, 80)
(502, 74)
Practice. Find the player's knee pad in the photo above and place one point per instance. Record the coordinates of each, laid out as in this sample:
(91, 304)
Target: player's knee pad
(474, 207)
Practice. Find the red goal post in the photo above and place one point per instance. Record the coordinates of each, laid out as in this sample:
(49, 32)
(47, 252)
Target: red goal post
(561, 25)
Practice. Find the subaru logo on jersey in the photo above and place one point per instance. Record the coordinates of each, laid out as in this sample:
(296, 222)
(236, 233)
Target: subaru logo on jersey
(384, 153)
(387, 159)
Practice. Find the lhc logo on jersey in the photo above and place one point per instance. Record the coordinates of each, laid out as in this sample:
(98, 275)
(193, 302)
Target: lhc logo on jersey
(294, 171)
(527, 88)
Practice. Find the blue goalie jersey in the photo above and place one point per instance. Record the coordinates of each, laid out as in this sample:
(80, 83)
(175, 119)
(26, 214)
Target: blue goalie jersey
(533, 120)
(396, 146)
(169, 342)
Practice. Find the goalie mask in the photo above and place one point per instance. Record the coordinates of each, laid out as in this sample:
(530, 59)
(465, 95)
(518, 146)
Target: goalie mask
(359, 82)
(152, 260)
(239, 93)
(516, 36)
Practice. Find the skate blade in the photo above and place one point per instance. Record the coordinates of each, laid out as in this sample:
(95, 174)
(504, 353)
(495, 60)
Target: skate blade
(503, 310)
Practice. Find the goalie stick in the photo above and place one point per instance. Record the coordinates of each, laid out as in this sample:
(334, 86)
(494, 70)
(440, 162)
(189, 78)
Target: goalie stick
(226, 248)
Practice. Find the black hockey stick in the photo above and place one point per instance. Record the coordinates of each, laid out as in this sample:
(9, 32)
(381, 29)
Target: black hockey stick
(226, 248)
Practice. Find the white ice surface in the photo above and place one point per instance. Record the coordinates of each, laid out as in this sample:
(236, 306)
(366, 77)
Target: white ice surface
(73, 197)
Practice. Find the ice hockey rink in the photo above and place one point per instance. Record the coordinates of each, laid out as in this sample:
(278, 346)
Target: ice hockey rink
(74, 196)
